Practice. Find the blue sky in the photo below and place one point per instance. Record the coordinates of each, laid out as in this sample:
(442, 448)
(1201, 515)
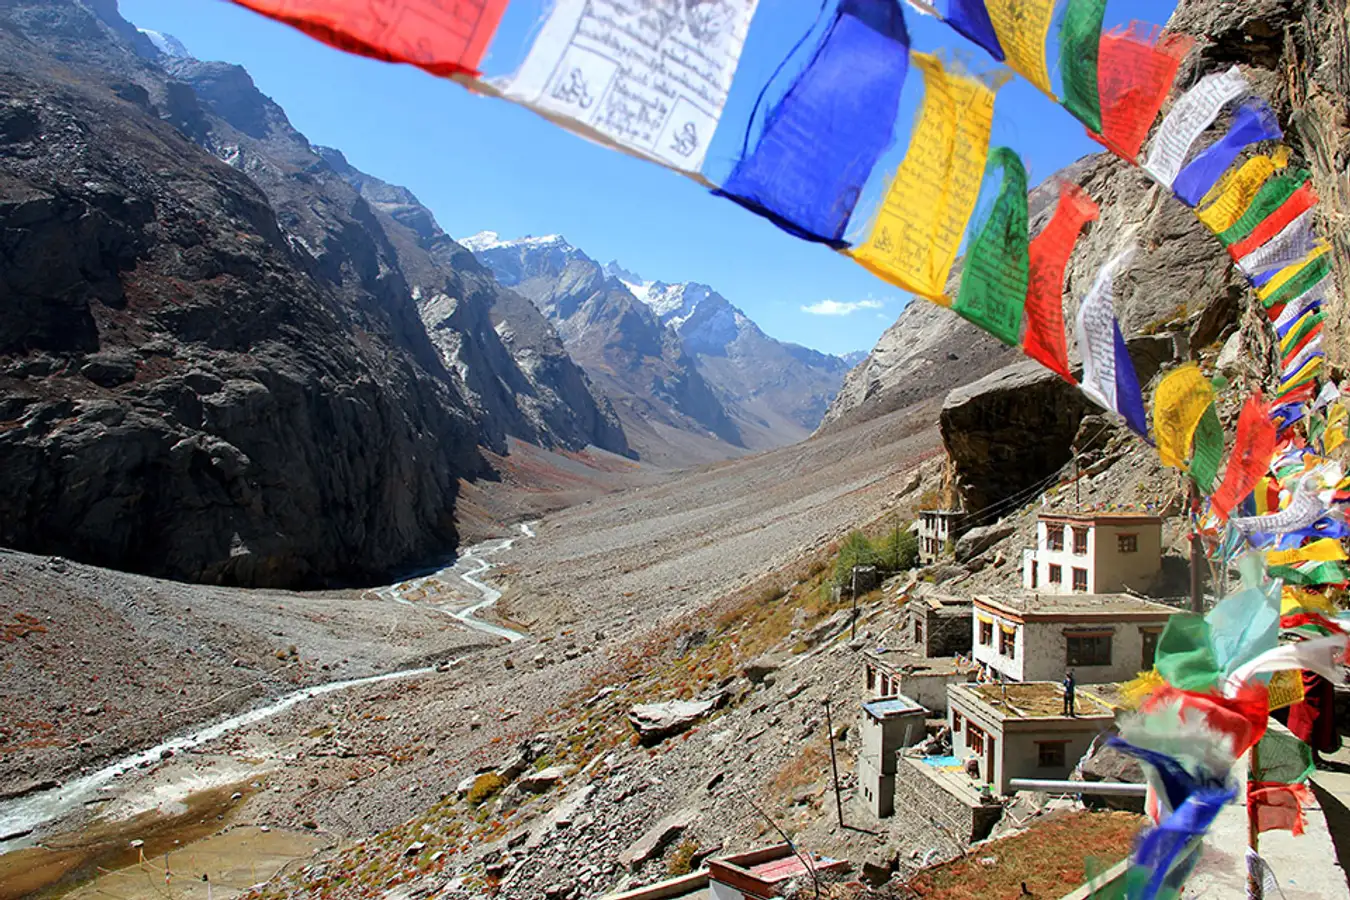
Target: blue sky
(483, 164)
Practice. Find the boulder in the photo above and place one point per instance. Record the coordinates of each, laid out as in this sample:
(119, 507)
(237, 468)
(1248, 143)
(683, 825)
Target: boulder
(1008, 434)
(977, 540)
(654, 722)
(1107, 764)
(538, 782)
(760, 668)
(656, 839)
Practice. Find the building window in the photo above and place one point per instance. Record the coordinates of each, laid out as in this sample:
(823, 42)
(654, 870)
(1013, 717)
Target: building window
(1050, 754)
(1080, 536)
(1056, 575)
(1054, 537)
(975, 739)
(956, 722)
(1087, 650)
(1080, 579)
(1149, 638)
(986, 633)
(1007, 642)
(1127, 543)
(1035, 570)
(871, 678)
(918, 632)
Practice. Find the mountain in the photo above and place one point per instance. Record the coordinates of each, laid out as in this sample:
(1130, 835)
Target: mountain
(746, 389)
(219, 360)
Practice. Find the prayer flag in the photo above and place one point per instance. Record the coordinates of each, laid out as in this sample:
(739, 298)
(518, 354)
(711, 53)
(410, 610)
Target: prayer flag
(1255, 121)
(914, 241)
(1278, 807)
(1291, 244)
(1285, 689)
(1294, 599)
(820, 143)
(444, 38)
(1252, 449)
(1280, 200)
(970, 18)
(994, 276)
(1080, 38)
(1236, 192)
(1135, 69)
(1323, 656)
(1185, 654)
(1244, 625)
(1108, 373)
(1281, 758)
(1324, 550)
(1044, 339)
(1188, 118)
(1208, 452)
(1296, 280)
(1304, 508)
(650, 80)
(1181, 398)
(1023, 26)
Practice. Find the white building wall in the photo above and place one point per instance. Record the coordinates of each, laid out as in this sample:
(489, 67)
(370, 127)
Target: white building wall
(1011, 669)
(1047, 652)
(1108, 570)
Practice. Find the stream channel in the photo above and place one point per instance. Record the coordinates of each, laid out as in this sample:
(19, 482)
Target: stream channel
(22, 818)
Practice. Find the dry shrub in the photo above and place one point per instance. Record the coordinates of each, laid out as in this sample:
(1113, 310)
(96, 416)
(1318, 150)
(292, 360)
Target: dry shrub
(682, 859)
(485, 787)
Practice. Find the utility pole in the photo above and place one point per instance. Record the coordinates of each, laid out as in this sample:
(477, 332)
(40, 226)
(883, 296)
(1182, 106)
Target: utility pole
(834, 765)
(1255, 879)
(1197, 550)
(853, 625)
(1077, 502)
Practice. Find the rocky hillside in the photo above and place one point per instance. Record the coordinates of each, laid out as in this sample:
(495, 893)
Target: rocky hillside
(672, 357)
(215, 363)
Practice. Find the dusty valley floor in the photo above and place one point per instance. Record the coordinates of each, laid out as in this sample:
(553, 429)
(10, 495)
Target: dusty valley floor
(99, 666)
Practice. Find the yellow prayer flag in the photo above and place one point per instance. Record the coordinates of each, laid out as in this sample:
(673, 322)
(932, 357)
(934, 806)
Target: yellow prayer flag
(1238, 191)
(915, 237)
(1178, 404)
(1334, 437)
(1290, 272)
(1337, 419)
(1296, 599)
(1023, 26)
(1285, 689)
(1324, 550)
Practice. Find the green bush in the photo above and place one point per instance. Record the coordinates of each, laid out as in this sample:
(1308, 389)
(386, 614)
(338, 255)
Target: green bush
(856, 550)
(898, 550)
(485, 787)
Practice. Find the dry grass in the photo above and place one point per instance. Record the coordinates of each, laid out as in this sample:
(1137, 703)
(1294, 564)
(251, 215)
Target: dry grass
(1052, 858)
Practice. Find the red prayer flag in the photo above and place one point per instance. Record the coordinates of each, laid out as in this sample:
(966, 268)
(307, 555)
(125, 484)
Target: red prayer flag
(1135, 70)
(1277, 807)
(1299, 202)
(1252, 450)
(1242, 717)
(444, 37)
(1044, 340)
(1298, 620)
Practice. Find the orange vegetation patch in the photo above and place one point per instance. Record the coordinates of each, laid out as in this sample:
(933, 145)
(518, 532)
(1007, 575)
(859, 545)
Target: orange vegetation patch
(22, 626)
(1052, 858)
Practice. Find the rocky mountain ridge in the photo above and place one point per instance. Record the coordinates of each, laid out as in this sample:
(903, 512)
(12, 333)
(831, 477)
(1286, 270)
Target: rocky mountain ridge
(769, 393)
(220, 361)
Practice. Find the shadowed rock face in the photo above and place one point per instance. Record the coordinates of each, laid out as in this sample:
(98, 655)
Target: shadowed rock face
(188, 386)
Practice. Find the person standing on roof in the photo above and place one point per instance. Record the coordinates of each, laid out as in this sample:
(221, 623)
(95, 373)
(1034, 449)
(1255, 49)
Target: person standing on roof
(1069, 684)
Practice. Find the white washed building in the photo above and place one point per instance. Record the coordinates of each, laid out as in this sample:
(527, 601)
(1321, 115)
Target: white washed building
(1093, 553)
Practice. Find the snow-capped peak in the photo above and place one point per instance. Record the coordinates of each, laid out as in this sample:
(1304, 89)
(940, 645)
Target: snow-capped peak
(491, 240)
(166, 44)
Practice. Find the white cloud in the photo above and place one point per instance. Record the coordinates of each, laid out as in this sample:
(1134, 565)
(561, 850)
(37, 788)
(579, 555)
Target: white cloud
(836, 308)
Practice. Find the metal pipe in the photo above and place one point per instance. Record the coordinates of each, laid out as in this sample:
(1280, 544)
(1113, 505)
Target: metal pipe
(1108, 788)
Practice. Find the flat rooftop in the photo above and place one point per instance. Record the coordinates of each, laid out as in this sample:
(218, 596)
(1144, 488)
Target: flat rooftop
(913, 662)
(1034, 700)
(1124, 517)
(893, 706)
(1089, 606)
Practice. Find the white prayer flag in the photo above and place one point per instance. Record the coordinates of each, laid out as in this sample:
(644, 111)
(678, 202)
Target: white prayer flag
(1295, 241)
(651, 77)
(1097, 334)
(1195, 111)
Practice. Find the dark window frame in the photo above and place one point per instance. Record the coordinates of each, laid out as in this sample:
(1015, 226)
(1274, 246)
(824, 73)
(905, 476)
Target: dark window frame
(1058, 754)
(1091, 649)
(1080, 541)
(1080, 583)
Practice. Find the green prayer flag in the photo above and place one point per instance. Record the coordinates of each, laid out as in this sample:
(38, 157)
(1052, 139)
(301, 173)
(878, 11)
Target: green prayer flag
(1317, 426)
(1282, 758)
(1208, 451)
(1080, 36)
(1185, 654)
(1301, 283)
(998, 261)
(1269, 198)
(1323, 573)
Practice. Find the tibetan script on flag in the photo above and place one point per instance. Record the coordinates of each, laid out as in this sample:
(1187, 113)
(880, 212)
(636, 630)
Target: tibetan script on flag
(1179, 403)
(1022, 27)
(649, 78)
(1187, 120)
(914, 240)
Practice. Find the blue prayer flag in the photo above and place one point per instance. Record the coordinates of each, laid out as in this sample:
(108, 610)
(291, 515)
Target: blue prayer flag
(970, 18)
(820, 143)
(1255, 121)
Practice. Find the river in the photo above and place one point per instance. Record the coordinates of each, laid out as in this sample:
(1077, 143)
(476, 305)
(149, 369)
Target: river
(20, 819)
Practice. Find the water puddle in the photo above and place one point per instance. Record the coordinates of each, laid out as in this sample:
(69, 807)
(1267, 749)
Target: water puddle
(101, 860)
